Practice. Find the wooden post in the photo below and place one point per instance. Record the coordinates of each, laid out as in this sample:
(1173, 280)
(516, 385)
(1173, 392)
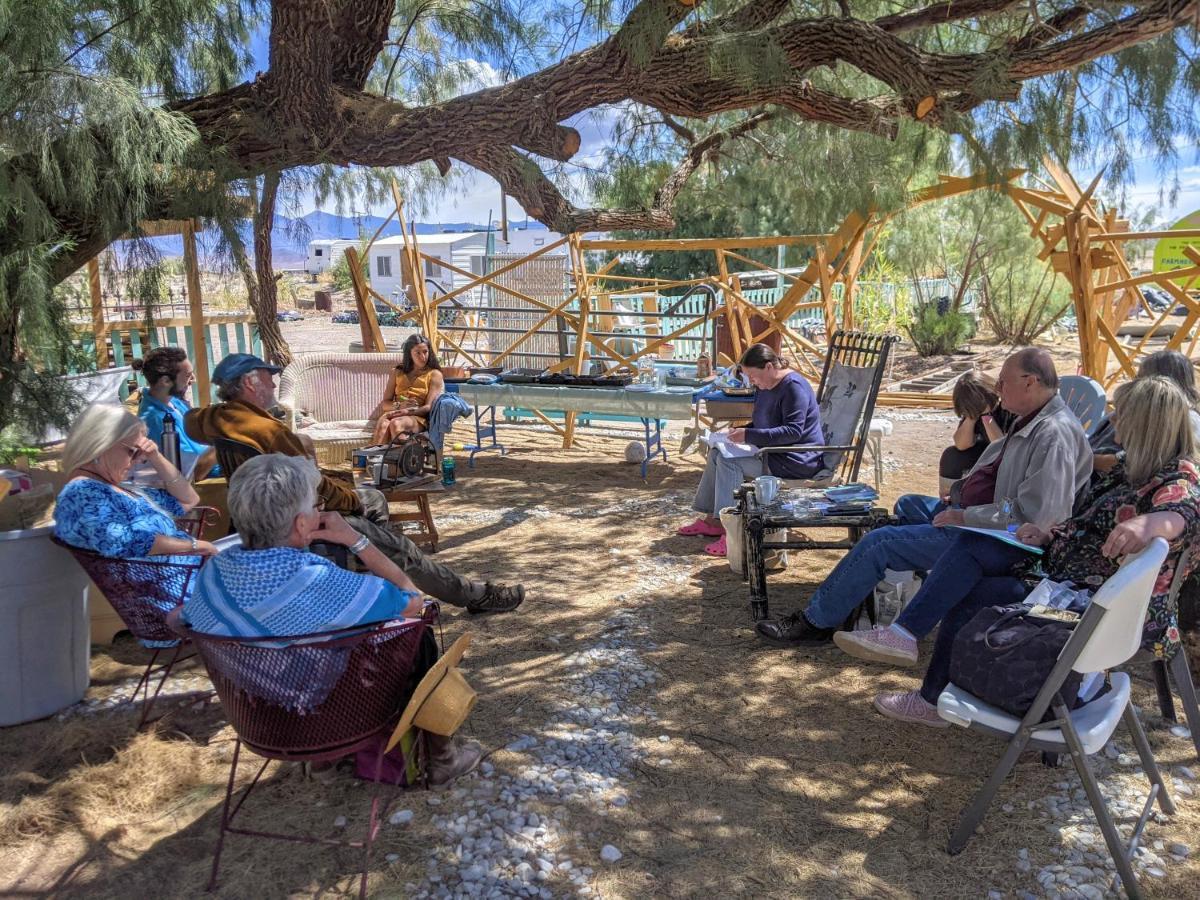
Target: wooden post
(732, 321)
(583, 288)
(368, 322)
(196, 310)
(826, 286)
(98, 328)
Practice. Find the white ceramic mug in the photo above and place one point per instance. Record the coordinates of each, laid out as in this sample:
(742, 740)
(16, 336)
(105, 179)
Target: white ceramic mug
(766, 488)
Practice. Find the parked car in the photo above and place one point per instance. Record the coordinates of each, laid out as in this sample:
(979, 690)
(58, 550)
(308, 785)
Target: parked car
(347, 317)
(288, 315)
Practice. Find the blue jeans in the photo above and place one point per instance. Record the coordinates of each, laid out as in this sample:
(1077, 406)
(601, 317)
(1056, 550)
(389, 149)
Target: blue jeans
(968, 558)
(900, 547)
(1001, 591)
(917, 509)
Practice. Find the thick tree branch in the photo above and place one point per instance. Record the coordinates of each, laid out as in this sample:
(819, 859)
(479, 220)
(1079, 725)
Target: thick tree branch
(309, 107)
(525, 182)
(360, 29)
(941, 13)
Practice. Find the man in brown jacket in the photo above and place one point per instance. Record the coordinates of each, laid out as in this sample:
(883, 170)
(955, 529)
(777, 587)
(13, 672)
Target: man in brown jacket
(246, 387)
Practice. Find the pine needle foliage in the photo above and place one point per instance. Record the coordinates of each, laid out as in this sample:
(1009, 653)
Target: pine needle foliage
(82, 88)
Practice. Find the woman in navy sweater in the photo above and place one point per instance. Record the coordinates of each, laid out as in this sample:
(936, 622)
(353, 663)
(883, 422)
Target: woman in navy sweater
(785, 414)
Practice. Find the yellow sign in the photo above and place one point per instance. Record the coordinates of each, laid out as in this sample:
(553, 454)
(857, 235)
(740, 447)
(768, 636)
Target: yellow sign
(1168, 252)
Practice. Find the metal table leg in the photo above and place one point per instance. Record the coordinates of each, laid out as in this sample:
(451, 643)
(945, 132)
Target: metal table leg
(654, 444)
(484, 433)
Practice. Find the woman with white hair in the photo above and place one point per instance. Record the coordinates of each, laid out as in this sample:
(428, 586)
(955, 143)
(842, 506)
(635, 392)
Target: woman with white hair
(97, 511)
(272, 586)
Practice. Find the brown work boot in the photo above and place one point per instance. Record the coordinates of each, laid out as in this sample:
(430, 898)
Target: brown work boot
(498, 598)
(449, 758)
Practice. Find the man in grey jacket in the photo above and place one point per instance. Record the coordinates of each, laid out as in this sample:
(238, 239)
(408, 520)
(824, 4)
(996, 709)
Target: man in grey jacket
(1037, 473)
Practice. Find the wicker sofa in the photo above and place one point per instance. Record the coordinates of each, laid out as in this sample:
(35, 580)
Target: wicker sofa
(328, 397)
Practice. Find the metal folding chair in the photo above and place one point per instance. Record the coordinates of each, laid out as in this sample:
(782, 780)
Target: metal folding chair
(142, 592)
(316, 698)
(1178, 667)
(1108, 634)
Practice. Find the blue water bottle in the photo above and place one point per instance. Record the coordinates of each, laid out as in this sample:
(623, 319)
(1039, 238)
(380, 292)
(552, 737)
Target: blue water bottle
(448, 471)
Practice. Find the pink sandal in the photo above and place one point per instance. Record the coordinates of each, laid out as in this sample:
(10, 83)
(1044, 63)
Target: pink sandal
(700, 527)
(717, 547)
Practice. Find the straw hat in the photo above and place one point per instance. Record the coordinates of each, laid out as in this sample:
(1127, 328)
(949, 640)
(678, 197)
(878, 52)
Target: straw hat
(442, 700)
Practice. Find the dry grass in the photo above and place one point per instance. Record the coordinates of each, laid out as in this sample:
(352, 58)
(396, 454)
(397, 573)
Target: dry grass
(784, 782)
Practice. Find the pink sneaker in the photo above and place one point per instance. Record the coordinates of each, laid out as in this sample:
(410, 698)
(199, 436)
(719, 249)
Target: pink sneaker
(910, 706)
(883, 645)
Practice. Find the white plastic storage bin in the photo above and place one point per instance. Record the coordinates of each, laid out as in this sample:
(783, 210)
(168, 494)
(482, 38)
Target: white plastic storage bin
(44, 627)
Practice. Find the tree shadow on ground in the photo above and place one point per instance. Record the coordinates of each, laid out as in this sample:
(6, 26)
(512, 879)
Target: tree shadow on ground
(782, 780)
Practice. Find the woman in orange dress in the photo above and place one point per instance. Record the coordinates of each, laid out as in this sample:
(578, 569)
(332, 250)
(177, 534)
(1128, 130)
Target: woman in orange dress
(415, 387)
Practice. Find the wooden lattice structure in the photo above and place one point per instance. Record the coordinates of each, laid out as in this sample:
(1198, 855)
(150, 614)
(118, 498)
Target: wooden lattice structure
(1083, 244)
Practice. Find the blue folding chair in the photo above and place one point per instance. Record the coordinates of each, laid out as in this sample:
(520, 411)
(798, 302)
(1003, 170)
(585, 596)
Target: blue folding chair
(1085, 398)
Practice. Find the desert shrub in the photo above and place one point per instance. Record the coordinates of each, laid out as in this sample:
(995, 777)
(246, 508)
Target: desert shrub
(882, 299)
(938, 330)
(1021, 299)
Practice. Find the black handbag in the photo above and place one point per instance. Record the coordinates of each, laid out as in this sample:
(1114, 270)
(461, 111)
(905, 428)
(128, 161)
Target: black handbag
(1004, 656)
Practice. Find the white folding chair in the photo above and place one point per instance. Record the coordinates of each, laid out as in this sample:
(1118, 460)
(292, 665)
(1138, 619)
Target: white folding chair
(1107, 635)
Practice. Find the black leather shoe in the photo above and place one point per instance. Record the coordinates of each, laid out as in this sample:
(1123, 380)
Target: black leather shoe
(794, 630)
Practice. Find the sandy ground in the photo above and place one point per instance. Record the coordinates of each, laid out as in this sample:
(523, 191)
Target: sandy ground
(783, 782)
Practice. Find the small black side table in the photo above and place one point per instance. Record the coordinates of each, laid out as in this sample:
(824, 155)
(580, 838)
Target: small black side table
(758, 519)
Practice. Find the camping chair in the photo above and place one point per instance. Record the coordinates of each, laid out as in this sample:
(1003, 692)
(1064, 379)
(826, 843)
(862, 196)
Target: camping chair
(850, 381)
(320, 698)
(1107, 636)
(1085, 398)
(231, 454)
(142, 592)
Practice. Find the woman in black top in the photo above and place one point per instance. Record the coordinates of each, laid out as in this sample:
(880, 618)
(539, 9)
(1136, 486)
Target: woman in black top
(981, 421)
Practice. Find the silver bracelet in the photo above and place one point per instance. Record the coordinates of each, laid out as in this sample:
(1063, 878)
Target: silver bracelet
(178, 478)
(360, 545)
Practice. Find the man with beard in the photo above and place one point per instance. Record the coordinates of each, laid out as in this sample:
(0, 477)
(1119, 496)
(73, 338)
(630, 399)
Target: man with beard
(169, 377)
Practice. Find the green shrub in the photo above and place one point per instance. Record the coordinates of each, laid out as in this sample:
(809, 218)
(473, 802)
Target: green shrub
(937, 332)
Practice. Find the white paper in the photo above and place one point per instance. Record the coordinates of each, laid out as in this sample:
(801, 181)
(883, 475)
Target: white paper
(720, 440)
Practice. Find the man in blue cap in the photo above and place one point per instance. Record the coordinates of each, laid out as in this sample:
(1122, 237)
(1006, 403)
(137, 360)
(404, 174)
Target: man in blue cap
(246, 387)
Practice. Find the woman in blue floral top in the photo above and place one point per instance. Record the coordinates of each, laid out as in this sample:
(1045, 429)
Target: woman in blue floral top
(1153, 492)
(96, 511)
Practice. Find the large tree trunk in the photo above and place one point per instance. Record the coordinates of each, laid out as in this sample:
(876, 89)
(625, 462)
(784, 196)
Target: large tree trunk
(259, 278)
(267, 305)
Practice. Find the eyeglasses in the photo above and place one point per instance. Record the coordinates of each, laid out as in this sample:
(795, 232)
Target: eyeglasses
(319, 506)
(132, 451)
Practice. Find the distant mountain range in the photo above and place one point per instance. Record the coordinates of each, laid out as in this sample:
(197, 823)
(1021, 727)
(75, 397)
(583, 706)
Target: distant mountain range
(290, 237)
